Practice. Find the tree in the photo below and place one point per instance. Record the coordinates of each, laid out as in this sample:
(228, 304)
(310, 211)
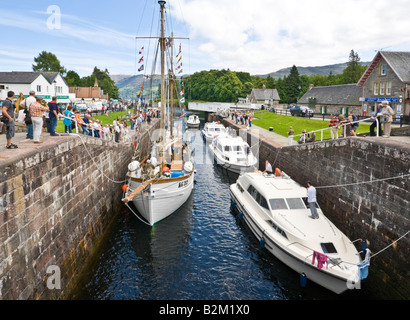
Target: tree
(354, 69)
(73, 79)
(48, 62)
(293, 85)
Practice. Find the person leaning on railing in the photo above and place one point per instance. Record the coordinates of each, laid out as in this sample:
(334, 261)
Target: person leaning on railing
(333, 124)
(387, 118)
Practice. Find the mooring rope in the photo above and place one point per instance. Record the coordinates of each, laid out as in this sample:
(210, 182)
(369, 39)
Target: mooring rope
(100, 168)
(390, 244)
(362, 182)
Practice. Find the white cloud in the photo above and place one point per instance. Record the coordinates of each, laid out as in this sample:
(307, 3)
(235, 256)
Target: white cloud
(264, 36)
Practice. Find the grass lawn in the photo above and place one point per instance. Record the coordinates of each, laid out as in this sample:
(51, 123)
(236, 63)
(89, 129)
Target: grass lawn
(106, 119)
(281, 124)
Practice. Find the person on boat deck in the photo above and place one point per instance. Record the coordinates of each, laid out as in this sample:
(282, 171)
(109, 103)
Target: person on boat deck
(268, 168)
(311, 193)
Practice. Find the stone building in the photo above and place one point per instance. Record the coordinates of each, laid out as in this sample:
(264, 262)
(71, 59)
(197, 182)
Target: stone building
(264, 96)
(387, 78)
(339, 99)
(89, 94)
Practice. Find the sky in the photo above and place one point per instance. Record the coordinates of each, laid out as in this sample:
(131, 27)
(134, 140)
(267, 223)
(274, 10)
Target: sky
(255, 36)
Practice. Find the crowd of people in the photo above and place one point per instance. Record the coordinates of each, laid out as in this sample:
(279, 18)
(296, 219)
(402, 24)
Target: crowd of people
(39, 115)
(244, 118)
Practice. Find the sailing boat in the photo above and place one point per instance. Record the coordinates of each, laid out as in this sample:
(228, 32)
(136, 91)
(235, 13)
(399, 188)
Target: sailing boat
(160, 185)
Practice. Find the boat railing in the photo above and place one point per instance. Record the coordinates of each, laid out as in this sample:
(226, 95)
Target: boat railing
(329, 258)
(305, 137)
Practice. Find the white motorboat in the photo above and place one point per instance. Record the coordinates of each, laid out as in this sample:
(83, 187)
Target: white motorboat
(193, 121)
(159, 186)
(212, 130)
(274, 208)
(233, 154)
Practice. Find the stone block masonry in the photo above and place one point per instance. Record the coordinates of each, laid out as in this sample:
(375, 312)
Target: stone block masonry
(55, 205)
(378, 212)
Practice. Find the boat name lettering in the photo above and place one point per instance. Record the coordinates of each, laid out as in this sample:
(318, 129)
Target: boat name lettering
(183, 184)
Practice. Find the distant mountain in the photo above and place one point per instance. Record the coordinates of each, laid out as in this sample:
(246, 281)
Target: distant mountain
(129, 85)
(322, 70)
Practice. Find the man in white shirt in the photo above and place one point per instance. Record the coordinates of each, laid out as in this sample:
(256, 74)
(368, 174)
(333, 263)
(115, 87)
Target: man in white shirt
(268, 168)
(311, 192)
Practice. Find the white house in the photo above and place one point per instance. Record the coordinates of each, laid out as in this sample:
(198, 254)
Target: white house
(44, 84)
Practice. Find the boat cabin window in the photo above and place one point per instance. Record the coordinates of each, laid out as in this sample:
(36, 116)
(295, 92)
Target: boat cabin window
(328, 247)
(258, 197)
(278, 204)
(295, 203)
(226, 148)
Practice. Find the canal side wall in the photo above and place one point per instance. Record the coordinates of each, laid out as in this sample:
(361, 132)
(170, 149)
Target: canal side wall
(56, 203)
(377, 212)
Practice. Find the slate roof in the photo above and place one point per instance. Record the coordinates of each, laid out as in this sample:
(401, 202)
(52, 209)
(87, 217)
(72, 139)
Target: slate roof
(18, 77)
(345, 94)
(399, 62)
(265, 94)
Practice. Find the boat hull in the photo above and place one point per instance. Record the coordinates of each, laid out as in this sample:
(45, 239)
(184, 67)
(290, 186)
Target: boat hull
(162, 197)
(233, 167)
(332, 282)
(193, 125)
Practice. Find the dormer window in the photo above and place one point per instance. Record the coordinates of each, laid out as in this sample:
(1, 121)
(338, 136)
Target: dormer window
(383, 70)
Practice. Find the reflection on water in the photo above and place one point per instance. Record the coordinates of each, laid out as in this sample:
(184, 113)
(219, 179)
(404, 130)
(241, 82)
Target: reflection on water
(202, 251)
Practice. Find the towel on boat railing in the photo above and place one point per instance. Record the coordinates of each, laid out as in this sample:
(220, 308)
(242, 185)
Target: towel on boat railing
(321, 259)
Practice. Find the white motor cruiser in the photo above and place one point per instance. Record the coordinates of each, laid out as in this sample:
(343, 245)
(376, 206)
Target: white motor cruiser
(233, 154)
(193, 121)
(212, 130)
(275, 209)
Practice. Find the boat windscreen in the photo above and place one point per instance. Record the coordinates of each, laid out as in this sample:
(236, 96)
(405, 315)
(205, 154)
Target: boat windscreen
(278, 204)
(295, 203)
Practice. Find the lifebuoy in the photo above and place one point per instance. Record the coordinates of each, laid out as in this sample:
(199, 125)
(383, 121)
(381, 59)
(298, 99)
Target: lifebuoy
(277, 172)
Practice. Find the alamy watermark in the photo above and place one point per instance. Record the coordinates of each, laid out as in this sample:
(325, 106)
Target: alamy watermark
(53, 277)
(54, 20)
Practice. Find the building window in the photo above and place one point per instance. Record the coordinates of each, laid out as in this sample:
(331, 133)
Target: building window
(383, 70)
(388, 88)
(382, 87)
(39, 88)
(375, 88)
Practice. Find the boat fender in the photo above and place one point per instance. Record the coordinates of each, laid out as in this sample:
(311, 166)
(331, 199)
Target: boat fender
(240, 216)
(124, 188)
(133, 166)
(188, 166)
(277, 172)
(302, 280)
(262, 243)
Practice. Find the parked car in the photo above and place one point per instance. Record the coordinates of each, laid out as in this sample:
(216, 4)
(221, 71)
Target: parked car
(300, 111)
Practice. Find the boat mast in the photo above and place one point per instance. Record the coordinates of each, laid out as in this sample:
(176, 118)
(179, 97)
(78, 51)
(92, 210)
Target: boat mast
(162, 45)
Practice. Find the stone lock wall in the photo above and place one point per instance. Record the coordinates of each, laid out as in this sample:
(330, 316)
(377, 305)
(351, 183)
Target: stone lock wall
(54, 206)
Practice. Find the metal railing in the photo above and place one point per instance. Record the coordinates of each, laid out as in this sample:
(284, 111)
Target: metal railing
(344, 126)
